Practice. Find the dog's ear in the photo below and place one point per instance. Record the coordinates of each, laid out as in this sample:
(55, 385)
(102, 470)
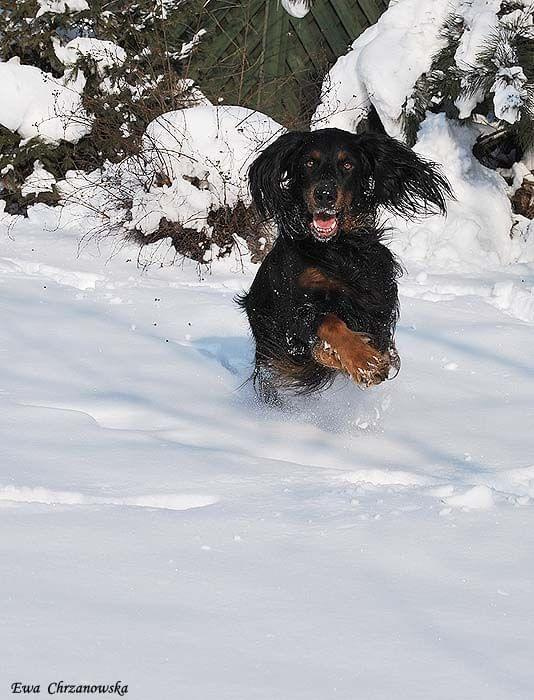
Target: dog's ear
(272, 170)
(399, 179)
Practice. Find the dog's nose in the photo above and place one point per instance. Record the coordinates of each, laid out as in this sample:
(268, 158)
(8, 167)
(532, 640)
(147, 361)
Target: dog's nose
(325, 194)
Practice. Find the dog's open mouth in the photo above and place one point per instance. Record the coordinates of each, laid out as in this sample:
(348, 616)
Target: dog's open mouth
(324, 225)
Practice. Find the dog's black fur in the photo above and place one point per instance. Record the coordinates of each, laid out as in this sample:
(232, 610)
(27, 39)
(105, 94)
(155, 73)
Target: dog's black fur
(324, 190)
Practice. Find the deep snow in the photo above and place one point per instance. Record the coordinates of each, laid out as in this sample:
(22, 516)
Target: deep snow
(161, 528)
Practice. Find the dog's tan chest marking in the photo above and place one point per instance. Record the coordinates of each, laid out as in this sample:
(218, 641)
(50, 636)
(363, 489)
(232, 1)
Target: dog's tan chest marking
(313, 278)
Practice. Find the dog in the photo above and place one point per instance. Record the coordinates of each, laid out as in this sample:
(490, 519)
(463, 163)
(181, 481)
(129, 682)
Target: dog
(324, 300)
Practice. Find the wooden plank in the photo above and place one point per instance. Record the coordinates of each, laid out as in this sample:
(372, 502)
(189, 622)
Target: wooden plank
(229, 24)
(277, 97)
(311, 39)
(278, 23)
(330, 27)
(230, 74)
(285, 46)
(255, 36)
(371, 8)
(296, 62)
(352, 17)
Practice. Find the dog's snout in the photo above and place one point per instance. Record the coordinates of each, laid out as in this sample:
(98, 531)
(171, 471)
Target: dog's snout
(325, 194)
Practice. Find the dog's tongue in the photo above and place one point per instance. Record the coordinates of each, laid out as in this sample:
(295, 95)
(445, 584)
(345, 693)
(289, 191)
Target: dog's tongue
(324, 224)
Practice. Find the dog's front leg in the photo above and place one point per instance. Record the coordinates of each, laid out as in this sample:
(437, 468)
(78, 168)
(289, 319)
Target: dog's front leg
(340, 348)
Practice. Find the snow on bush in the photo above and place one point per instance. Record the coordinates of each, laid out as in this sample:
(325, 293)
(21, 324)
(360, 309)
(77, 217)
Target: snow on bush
(35, 104)
(61, 6)
(205, 153)
(105, 54)
(509, 92)
(383, 66)
(192, 165)
(387, 69)
(439, 55)
(92, 77)
(40, 180)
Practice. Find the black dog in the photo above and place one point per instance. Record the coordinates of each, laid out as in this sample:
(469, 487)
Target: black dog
(325, 298)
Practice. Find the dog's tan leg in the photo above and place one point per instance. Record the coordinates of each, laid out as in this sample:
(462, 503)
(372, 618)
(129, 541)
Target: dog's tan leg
(326, 356)
(351, 352)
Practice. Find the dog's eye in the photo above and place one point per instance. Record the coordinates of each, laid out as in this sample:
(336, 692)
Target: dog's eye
(309, 163)
(346, 165)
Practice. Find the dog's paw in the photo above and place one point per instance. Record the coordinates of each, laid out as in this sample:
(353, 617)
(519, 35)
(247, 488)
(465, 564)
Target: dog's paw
(353, 353)
(366, 365)
(325, 355)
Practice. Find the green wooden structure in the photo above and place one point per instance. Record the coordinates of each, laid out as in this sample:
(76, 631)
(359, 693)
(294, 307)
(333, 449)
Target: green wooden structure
(256, 54)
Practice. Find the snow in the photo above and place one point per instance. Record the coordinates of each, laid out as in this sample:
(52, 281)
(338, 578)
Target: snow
(201, 153)
(35, 104)
(296, 8)
(61, 6)
(12, 494)
(163, 529)
(383, 66)
(509, 93)
(480, 19)
(385, 62)
(477, 498)
(476, 232)
(106, 54)
(40, 180)
(188, 46)
(214, 144)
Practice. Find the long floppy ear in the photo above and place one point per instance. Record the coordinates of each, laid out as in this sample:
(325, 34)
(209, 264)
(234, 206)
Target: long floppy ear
(271, 169)
(401, 180)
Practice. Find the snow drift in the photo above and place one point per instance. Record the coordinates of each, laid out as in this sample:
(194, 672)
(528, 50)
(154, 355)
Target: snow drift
(475, 234)
(36, 104)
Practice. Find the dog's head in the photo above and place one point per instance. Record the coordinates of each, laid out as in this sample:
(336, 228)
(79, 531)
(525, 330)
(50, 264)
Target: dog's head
(323, 183)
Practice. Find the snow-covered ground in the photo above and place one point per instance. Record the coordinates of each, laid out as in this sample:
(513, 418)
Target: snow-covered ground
(161, 528)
